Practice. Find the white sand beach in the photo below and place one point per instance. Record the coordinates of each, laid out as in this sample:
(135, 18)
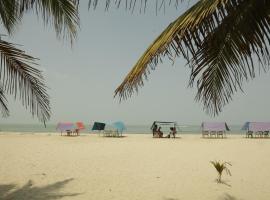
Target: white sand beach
(134, 167)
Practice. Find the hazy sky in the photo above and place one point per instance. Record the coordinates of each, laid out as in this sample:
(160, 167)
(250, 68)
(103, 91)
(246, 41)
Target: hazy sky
(82, 79)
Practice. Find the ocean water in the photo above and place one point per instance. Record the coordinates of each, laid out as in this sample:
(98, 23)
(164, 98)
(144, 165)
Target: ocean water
(144, 129)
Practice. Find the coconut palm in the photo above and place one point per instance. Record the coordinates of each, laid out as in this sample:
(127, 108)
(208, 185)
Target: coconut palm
(18, 73)
(220, 167)
(224, 42)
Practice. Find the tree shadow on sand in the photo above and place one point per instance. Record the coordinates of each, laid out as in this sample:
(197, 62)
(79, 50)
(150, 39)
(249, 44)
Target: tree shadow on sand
(31, 192)
(227, 196)
(223, 182)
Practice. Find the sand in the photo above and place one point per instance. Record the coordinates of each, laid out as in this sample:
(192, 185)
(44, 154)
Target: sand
(48, 167)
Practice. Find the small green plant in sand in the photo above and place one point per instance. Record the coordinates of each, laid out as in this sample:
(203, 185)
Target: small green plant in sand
(220, 167)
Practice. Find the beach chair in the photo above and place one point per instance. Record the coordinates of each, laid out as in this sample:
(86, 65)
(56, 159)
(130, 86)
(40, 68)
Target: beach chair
(69, 132)
(249, 134)
(115, 133)
(220, 133)
(259, 134)
(266, 133)
(107, 133)
(214, 133)
(205, 133)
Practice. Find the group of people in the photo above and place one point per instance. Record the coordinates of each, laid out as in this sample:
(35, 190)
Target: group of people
(158, 133)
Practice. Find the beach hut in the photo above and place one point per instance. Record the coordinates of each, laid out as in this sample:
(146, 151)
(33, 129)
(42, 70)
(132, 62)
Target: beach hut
(215, 129)
(259, 129)
(67, 127)
(170, 127)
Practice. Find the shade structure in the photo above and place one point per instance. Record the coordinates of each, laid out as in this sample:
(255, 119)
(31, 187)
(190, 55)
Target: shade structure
(165, 124)
(215, 126)
(256, 126)
(80, 126)
(120, 126)
(64, 126)
(98, 126)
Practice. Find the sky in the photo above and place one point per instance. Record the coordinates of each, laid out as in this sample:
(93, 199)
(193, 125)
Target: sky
(82, 78)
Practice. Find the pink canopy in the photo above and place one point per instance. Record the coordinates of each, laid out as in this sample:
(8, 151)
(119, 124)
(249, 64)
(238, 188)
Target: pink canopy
(258, 126)
(215, 126)
(64, 126)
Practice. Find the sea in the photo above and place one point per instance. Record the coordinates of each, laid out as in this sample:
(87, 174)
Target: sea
(130, 129)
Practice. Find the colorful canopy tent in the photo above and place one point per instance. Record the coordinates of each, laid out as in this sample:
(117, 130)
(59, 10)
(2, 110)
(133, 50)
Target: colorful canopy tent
(214, 129)
(259, 128)
(167, 126)
(80, 126)
(98, 126)
(256, 126)
(65, 126)
(164, 124)
(120, 126)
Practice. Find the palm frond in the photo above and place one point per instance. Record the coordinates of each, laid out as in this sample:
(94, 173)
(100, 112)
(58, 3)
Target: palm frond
(132, 4)
(3, 103)
(22, 80)
(170, 41)
(62, 14)
(219, 39)
(225, 57)
(9, 14)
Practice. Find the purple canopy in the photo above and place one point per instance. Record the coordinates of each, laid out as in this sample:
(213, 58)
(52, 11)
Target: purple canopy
(215, 126)
(257, 126)
(64, 126)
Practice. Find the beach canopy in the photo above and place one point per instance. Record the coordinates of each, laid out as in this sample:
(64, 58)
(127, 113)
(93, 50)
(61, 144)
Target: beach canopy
(256, 126)
(80, 125)
(64, 126)
(162, 123)
(98, 126)
(120, 126)
(215, 126)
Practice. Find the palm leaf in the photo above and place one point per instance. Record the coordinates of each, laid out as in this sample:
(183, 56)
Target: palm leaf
(3, 103)
(9, 14)
(219, 39)
(62, 14)
(225, 59)
(19, 78)
(132, 4)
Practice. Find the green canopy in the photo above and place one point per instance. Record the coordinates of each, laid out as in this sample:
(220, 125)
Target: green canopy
(98, 126)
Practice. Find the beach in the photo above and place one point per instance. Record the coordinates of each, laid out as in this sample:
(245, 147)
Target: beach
(50, 166)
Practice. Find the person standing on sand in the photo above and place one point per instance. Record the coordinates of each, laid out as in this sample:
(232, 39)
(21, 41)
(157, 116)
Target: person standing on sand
(160, 133)
(154, 130)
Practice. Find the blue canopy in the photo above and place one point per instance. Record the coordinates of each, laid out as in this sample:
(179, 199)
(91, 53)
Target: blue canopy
(246, 126)
(120, 126)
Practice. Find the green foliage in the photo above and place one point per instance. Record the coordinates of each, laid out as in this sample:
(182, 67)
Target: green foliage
(220, 167)
(18, 73)
(132, 4)
(220, 40)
